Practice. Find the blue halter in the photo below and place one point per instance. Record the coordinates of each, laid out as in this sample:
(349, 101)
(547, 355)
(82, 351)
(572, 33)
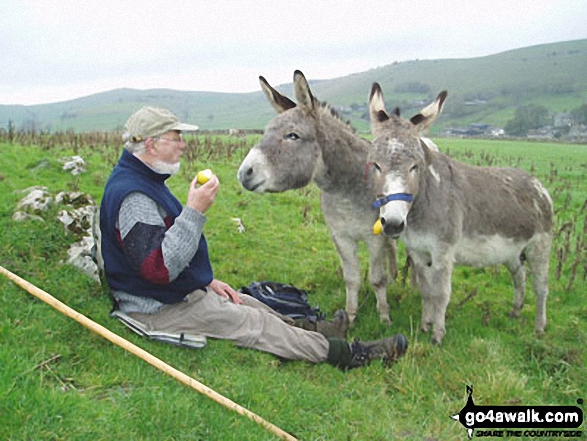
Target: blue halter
(392, 197)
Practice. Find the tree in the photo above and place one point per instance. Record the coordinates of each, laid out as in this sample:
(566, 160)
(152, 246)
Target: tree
(10, 131)
(579, 114)
(527, 118)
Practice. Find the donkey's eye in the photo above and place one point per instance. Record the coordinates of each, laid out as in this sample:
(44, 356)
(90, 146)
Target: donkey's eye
(414, 168)
(377, 167)
(293, 136)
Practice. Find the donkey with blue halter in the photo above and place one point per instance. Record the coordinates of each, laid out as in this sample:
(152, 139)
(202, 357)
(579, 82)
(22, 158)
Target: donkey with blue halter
(448, 213)
(307, 142)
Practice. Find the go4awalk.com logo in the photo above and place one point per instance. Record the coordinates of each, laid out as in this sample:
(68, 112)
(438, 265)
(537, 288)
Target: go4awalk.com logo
(520, 421)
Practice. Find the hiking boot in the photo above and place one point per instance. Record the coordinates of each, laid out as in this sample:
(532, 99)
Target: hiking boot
(388, 350)
(357, 354)
(335, 328)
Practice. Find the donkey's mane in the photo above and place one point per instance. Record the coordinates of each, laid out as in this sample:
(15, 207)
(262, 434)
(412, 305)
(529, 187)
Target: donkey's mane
(325, 109)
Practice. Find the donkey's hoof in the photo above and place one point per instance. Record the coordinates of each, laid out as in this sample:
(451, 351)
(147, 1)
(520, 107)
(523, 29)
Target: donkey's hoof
(437, 336)
(436, 341)
(385, 320)
(514, 314)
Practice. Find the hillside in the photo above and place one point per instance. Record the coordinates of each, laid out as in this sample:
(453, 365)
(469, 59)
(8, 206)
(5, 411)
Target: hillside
(481, 90)
(110, 110)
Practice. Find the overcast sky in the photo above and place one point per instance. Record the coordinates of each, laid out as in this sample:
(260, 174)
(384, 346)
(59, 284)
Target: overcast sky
(54, 50)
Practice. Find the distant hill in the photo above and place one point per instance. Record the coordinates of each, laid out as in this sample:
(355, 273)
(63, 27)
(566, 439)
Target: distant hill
(481, 90)
(110, 110)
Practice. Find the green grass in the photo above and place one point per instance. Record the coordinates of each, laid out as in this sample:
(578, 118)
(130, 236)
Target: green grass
(60, 381)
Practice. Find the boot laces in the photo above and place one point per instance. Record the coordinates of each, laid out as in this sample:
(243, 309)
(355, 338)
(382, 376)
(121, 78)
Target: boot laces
(360, 354)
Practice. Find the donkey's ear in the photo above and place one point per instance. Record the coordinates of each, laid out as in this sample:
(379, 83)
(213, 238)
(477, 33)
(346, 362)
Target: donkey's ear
(428, 115)
(302, 90)
(377, 107)
(428, 155)
(279, 102)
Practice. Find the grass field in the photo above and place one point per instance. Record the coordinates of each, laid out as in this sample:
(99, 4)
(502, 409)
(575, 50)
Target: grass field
(59, 381)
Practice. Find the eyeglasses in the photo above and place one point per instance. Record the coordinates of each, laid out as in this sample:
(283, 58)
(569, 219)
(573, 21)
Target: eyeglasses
(159, 138)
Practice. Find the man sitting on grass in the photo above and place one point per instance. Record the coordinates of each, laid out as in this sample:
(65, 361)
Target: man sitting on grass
(157, 266)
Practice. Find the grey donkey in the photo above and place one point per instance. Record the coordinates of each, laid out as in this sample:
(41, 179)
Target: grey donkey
(307, 142)
(448, 213)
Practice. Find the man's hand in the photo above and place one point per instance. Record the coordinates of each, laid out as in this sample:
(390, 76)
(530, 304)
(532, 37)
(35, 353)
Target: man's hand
(224, 290)
(200, 198)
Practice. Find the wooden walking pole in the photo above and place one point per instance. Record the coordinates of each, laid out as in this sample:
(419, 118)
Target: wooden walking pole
(151, 359)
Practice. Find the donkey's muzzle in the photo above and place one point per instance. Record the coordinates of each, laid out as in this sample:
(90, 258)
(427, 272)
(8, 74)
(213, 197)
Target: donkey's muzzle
(245, 176)
(393, 229)
(249, 180)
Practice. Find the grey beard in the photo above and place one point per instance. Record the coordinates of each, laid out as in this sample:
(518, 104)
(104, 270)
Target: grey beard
(164, 168)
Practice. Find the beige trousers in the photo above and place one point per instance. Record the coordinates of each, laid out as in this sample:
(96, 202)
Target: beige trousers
(250, 325)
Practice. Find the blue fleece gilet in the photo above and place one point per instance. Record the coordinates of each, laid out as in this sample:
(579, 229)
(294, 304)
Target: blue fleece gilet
(131, 175)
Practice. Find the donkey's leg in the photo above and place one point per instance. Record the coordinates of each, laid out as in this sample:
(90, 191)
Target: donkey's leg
(392, 259)
(346, 229)
(518, 273)
(419, 279)
(379, 249)
(537, 255)
(427, 293)
(434, 279)
(351, 271)
(442, 283)
(413, 269)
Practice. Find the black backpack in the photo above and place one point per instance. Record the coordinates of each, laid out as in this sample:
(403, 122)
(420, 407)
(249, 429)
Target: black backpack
(285, 299)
